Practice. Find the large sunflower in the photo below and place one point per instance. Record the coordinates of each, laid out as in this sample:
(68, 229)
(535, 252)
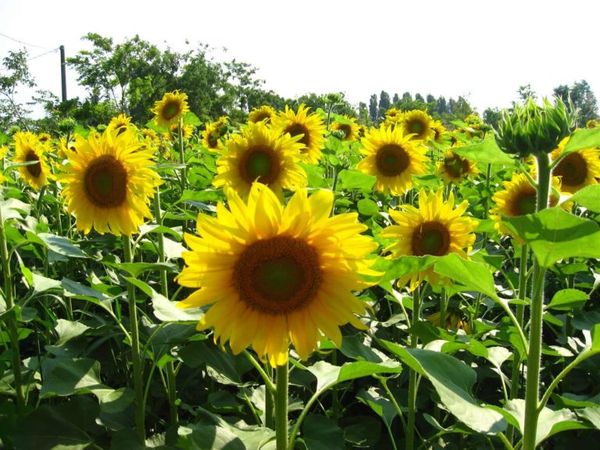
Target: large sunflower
(28, 149)
(578, 169)
(348, 127)
(275, 275)
(309, 127)
(170, 108)
(393, 158)
(109, 181)
(454, 168)
(261, 154)
(262, 114)
(419, 124)
(435, 228)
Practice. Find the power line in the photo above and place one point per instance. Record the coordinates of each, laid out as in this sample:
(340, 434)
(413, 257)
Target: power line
(54, 50)
(22, 42)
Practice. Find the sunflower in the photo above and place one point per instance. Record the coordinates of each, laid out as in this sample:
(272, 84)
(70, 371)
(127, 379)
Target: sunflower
(454, 321)
(309, 127)
(348, 128)
(435, 228)
(28, 149)
(519, 197)
(108, 182)
(439, 131)
(393, 158)
(454, 168)
(213, 133)
(187, 131)
(170, 108)
(262, 114)
(393, 116)
(121, 122)
(419, 124)
(261, 154)
(275, 274)
(577, 169)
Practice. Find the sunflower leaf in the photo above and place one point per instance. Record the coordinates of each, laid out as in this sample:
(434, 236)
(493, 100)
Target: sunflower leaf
(589, 197)
(485, 152)
(582, 138)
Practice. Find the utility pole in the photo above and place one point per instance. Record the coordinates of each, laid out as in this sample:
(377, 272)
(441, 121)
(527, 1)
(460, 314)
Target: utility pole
(63, 73)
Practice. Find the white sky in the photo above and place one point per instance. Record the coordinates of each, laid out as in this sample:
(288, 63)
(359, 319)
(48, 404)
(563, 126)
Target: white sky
(483, 50)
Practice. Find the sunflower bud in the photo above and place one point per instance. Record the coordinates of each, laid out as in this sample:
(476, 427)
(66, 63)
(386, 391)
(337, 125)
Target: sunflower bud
(531, 129)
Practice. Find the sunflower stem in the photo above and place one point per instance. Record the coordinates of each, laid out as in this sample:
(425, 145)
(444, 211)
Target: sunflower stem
(281, 406)
(488, 177)
(135, 351)
(412, 376)
(537, 309)
(182, 155)
(443, 309)
(10, 317)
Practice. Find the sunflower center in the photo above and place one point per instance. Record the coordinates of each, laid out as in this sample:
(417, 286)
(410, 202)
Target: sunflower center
(430, 238)
(391, 160)
(213, 139)
(573, 170)
(525, 203)
(277, 275)
(456, 166)
(34, 169)
(105, 182)
(259, 117)
(259, 163)
(295, 129)
(346, 129)
(171, 109)
(415, 126)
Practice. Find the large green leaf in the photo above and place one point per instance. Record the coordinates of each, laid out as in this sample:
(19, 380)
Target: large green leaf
(380, 405)
(67, 330)
(567, 299)
(167, 311)
(588, 197)
(62, 245)
(485, 152)
(68, 376)
(554, 234)
(453, 380)
(321, 433)
(13, 208)
(329, 375)
(353, 179)
(582, 138)
(470, 275)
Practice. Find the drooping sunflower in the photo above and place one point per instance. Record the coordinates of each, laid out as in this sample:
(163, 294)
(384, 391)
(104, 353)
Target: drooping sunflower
(348, 127)
(435, 228)
(262, 114)
(578, 169)
(108, 182)
(275, 275)
(309, 127)
(259, 153)
(454, 168)
(419, 124)
(170, 108)
(28, 149)
(393, 158)
(213, 134)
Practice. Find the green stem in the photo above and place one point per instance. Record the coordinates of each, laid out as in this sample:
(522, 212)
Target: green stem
(392, 398)
(281, 406)
(182, 156)
(535, 330)
(269, 401)
(412, 377)
(11, 319)
(135, 351)
(266, 378)
(443, 309)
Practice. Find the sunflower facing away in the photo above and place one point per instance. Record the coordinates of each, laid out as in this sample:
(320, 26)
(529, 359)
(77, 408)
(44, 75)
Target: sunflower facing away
(435, 228)
(275, 274)
(262, 114)
(213, 133)
(309, 127)
(393, 116)
(259, 153)
(393, 158)
(454, 168)
(348, 127)
(109, 181)
(419, 124)
(28, 149)
(578, 169)
(170, 108)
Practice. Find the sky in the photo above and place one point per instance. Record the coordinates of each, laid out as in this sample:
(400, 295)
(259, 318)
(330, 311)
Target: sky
(480, 49)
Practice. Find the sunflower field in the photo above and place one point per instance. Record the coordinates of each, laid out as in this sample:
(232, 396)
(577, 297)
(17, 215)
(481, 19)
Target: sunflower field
(300, 279)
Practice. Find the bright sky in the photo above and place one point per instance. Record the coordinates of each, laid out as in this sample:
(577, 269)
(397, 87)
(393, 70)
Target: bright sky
(482, 50)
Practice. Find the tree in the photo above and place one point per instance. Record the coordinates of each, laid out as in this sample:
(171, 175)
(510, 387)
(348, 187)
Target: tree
(442, 107)
(395, 99)
(373, 108)
(419, 98)
(492, 116)
(526, 92)
(16, 75)
(582, 97)
(384, 103)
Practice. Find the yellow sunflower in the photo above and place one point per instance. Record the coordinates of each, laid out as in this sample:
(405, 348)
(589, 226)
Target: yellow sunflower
(121, 122)
(261, 154)
(393, 116)
(170, 108)
(393, 158)
(348, 127)
(275, 275)
(578, 169)
(454, 168)
(108, 182)
(213, 133)
(435, 228)
(262, 114)
(28, 149)
(309, 127)
(439, 131)
(419, 124)
(454, 321)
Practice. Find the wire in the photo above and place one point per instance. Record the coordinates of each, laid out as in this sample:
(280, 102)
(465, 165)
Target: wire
(23, 42)
(54, 50)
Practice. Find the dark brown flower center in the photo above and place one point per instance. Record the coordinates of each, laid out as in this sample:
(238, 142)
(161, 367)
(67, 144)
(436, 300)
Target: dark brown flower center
(213, 139)
(525, 202)
(455, 166)
(34, 170)
(573, 169)
(416, 126)
(260, 116)
(346, 129)
(391, 160)
(105, 182)
(430, 238)
(295, 129)
(260, 163)
(277, 275)
(171, 109)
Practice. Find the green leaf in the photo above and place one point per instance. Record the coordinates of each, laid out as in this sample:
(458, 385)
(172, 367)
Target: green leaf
(485, 152)
(554, 234)
(13, 209)
(62, 245)
(116, 408)
(329, 375)
(68, 330)
(222, 366)
(453, 380)
(367, 207)
(471, 275)
(379, 404)
(353, 179)
(589, 197)
(41, 283)
(322, 433)
(591, 414)
(136, 268)
(68, 376)
(315, 174)
(567, 299)
(167, 311)
(582, 138)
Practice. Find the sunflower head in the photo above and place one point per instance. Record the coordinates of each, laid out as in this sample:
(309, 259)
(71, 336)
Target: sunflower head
(259, 153)
(262, 114)
(277, 274)
(213, 134)
(435, 228)
(109, 181)
(578, 169)
(418, 124)
(308, 128)
(439, 131)
(347, 127)
(170, 108)
(454, 168)
(454, 321)
(393, 116)
(120, 123)
(393, 158)
(30, 151)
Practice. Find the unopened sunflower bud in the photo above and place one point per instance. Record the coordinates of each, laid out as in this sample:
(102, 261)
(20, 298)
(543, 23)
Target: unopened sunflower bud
(531, 129)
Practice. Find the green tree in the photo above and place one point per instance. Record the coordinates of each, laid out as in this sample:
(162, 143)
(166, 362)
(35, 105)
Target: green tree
(15, 75)
(526, 92)
(384, 104)
(582, 97)
(373, 112)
